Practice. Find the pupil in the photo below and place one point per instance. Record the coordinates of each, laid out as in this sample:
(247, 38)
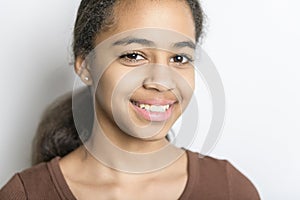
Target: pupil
(132, 56)
(178, 58)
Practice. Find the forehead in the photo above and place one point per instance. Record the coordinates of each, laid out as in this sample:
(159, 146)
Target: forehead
(172, 15)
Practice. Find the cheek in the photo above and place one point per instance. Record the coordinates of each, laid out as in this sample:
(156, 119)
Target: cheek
(105, 86)
(186, 86)
(188, 80)
(192, 79)
(115, 83)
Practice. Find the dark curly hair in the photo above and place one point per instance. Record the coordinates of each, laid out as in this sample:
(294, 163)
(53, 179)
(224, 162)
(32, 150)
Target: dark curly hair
(94, 16)
(56, 134)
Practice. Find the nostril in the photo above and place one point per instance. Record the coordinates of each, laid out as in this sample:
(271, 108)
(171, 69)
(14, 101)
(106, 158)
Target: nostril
(159, 83)
(156, 86)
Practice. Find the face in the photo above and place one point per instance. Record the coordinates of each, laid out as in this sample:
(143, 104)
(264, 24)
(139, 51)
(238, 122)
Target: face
(142, 75)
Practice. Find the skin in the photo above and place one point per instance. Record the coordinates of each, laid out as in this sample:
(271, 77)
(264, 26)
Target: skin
(90, 179)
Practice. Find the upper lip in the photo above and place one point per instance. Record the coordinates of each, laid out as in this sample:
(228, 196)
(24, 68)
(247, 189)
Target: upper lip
(158, 102)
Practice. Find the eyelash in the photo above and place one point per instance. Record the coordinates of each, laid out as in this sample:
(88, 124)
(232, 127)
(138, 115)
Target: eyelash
(126, 58)
(187, 57)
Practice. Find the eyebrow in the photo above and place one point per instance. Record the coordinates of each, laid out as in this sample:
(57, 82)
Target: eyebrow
(145, 42)
(131, 40)
(189, 44)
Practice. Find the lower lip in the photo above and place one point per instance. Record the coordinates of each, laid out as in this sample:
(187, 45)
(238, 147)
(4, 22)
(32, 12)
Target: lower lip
(153, 116)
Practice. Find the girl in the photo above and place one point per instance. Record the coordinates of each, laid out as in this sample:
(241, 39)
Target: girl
(136, 59)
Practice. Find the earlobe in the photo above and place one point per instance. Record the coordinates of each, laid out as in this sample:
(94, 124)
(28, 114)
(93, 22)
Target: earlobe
(81, 69)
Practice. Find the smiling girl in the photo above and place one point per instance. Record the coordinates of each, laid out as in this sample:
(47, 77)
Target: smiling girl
(136, 58)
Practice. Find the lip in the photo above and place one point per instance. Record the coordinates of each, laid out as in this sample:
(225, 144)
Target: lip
(157, 102)
(154, 116)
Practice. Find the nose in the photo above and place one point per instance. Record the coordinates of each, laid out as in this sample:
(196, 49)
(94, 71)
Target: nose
(160, 79)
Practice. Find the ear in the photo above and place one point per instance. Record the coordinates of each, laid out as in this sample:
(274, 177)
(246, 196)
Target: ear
(82, 70)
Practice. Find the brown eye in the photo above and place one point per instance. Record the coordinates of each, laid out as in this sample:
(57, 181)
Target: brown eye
(132, 57)
(181, 59)
(178, 59)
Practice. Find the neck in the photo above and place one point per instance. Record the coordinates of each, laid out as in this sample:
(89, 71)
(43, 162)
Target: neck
(90, 168)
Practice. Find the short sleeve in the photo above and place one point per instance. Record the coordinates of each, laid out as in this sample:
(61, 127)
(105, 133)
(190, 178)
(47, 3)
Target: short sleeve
(240, 187)
(13, 189)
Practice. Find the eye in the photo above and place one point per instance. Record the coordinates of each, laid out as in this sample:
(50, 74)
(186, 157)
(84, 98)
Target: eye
(181, 59)
(132, 58)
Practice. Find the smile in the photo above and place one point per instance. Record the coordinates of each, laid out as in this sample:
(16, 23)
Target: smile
(153, 110)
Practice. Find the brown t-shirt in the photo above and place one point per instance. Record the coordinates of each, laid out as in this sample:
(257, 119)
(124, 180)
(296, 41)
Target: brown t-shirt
(208, 179)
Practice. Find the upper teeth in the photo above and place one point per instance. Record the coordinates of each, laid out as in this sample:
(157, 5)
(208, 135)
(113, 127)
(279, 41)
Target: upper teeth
(154, 108)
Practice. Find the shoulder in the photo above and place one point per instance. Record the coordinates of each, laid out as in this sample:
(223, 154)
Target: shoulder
(14, 189)
(32, 183)
(220, 176)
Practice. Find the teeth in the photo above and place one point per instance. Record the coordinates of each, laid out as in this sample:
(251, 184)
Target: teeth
(154, 108)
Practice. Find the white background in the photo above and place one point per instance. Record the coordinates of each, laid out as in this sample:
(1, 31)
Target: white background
(254, 44)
